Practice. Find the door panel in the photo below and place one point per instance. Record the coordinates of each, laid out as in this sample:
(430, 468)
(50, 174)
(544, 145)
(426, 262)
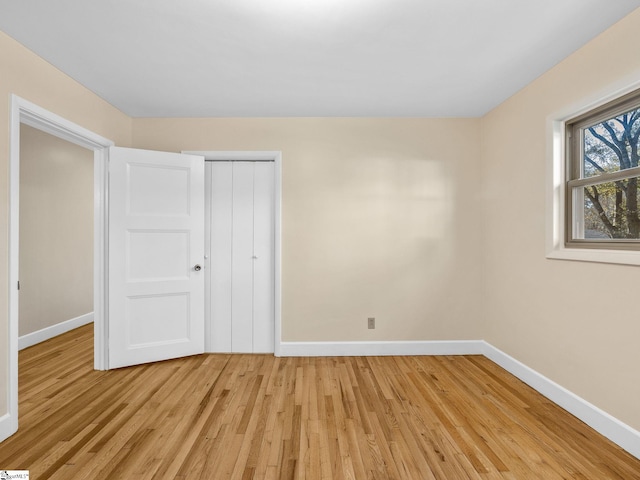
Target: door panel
(242, 258)
(158, 319)
(156, 237)
(148, 259)
(158, 190)
(221, 225)
(263, 266)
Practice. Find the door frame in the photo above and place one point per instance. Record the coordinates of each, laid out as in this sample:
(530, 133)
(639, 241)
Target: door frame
(25, 112)
(255, 156)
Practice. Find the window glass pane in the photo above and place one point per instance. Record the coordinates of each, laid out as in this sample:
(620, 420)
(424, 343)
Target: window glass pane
(611, 145)
(611, 210)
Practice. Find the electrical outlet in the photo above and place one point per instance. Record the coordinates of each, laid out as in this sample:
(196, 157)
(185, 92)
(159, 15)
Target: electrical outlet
(372, 323)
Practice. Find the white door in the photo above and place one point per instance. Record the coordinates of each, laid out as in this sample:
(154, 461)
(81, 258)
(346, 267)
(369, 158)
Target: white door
(263, 257)
(156, 255)
(241, 259)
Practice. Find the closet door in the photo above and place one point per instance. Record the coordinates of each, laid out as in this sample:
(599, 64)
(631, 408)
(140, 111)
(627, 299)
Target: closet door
(220, 226)
(263, 258)
(241, 255)
(242, 284)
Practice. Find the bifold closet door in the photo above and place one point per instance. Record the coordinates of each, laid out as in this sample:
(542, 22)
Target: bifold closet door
(242, 257)
(220, 221)
(263, 257)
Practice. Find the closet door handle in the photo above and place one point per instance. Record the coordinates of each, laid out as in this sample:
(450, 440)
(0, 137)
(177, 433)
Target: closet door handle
(197, 268)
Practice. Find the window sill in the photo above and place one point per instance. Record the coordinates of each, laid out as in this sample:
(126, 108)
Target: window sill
(620, 257)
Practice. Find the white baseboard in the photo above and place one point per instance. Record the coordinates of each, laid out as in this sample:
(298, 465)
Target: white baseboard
(612, 428)
(348, 349)
(8, 426)
(53, 331)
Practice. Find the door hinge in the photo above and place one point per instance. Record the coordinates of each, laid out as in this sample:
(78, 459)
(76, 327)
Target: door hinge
(18, 284)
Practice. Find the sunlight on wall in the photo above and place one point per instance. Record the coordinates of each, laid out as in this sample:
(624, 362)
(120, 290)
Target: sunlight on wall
(422, 188)
(381, 228)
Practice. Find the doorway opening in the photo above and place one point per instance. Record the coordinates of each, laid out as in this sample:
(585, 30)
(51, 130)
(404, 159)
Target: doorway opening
(56, 236)
(24, 112)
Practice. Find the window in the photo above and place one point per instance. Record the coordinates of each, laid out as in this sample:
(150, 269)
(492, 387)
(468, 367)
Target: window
(603, 189)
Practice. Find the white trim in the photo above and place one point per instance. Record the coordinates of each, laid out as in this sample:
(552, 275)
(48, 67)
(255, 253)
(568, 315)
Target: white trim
(623, 257)
(51, 331)
(6, 426)
(14, 229)
(278, 253)
(41, 119)
(101, 258)
(208, 344)
(612, 428)
(276, 157)
(556, 179)
(238, 155)
(23, 111)
(347, 349)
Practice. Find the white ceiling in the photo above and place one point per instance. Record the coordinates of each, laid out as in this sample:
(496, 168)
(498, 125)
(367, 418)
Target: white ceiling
(264, 58)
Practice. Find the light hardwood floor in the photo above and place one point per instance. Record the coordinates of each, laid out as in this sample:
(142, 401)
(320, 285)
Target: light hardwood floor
(256, 416)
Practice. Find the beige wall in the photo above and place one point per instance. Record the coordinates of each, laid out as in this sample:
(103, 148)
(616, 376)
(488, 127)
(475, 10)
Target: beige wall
(575, 322)
(379, 219)
(28, 76)
(56, 230)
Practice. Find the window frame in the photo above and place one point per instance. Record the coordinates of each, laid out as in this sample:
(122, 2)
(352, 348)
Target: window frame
(575, 180)
(556, 175)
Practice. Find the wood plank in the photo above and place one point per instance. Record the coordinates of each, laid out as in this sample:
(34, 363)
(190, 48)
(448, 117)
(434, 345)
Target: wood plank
(257, 416)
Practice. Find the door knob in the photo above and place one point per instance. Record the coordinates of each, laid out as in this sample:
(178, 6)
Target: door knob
(197, 268)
